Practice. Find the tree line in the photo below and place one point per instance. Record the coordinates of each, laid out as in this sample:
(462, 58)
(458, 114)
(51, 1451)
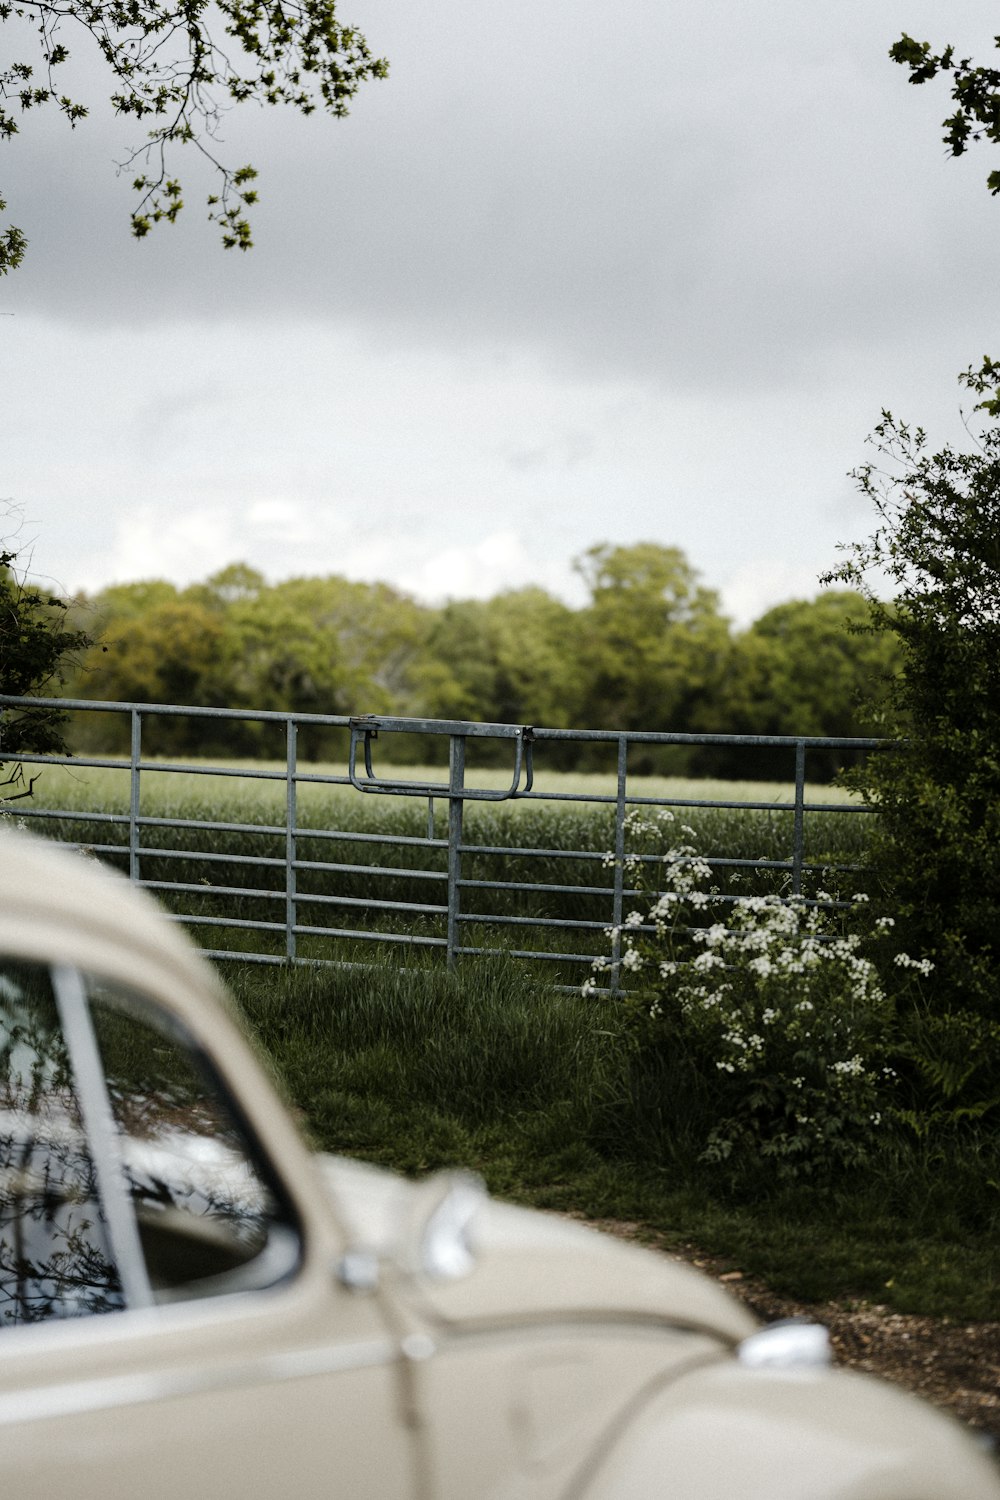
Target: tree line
(650, 650)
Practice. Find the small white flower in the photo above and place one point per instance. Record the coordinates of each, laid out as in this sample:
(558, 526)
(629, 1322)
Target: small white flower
(920, 965)
(631, 959)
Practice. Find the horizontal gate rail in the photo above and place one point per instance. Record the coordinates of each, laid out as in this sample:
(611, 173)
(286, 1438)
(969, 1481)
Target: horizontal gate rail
(325, 832)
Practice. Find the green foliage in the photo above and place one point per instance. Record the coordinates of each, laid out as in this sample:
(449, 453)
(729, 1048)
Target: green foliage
(307, 645)
(806, 667)
(937, 839)
(648, 651)
(512, 659)
(168, 68)
(975, 91)
(949, 1067)
(36, 645)
(13, 243)
(652, 638)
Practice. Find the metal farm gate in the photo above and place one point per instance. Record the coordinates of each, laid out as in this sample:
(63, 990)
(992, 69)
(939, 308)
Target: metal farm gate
(282, 860)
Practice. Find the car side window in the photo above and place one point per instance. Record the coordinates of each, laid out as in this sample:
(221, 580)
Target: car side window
(55, 1255)
(210, 1219)
(127, 1177)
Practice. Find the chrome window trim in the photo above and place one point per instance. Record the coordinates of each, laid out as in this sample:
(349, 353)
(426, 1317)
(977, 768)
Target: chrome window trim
(99, 1125)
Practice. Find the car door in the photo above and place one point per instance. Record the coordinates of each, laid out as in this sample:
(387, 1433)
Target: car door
(170, 1320)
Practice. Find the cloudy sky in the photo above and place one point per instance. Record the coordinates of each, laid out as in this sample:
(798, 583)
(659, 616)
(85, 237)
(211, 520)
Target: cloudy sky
(572, 274)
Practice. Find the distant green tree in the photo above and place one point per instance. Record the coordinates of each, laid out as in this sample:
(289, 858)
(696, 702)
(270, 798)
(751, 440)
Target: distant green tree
(307, 645)
(167, 653)
(457, 678)
(813, 667)
(653, 638)
(937, 843)
(177, 69)
(378, 631)
(512, 659)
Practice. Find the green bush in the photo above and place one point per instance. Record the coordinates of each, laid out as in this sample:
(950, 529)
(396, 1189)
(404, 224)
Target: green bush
(936, 841)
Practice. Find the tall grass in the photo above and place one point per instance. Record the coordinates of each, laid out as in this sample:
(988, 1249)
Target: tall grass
(548, 1097)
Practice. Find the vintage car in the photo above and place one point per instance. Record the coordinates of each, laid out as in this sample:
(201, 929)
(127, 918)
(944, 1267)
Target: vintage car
(193, 1304)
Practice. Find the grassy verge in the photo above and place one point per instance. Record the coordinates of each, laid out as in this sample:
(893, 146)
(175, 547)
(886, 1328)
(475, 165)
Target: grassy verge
(423, 1069)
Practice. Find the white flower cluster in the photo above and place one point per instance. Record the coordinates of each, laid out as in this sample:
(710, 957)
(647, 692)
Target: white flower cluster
(773, 992)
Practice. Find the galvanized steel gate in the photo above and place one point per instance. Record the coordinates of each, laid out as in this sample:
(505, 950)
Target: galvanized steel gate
(285, 884)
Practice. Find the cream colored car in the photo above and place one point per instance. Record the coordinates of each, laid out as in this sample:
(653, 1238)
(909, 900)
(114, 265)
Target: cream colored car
(193, 1305)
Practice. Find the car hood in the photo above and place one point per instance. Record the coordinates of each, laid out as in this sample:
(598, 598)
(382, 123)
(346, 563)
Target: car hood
(527, 1266)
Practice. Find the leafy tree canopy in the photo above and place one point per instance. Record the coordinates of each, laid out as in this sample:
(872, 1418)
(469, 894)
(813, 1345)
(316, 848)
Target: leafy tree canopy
(813, 667)
(975, 91)
(176, 68)
(653, 636)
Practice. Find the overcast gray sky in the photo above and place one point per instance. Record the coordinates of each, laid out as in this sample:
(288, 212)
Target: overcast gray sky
(569, 275)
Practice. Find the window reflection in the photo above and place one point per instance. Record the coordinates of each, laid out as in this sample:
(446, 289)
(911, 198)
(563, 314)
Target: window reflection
(54, 1256)
(208, 1220)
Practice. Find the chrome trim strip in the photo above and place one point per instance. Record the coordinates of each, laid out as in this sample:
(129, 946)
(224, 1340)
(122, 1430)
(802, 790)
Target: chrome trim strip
(123, 1232)
(119, 1391)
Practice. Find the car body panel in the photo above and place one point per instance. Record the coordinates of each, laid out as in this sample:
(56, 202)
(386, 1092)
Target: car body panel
(521, 1258)
(830, 1435)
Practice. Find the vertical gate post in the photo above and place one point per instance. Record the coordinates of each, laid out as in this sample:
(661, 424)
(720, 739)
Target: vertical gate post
(798, 851)
(135, 759)
(619, 867)
(291, 815)
(456, 804)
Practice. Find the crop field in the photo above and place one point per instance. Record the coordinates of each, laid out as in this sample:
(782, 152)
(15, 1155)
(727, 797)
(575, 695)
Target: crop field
(536, 878)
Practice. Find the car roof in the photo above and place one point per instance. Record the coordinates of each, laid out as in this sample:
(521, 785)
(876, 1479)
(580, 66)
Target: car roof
(59, 905)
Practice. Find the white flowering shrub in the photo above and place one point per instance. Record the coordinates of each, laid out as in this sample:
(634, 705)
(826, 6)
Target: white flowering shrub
(774, 1013)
